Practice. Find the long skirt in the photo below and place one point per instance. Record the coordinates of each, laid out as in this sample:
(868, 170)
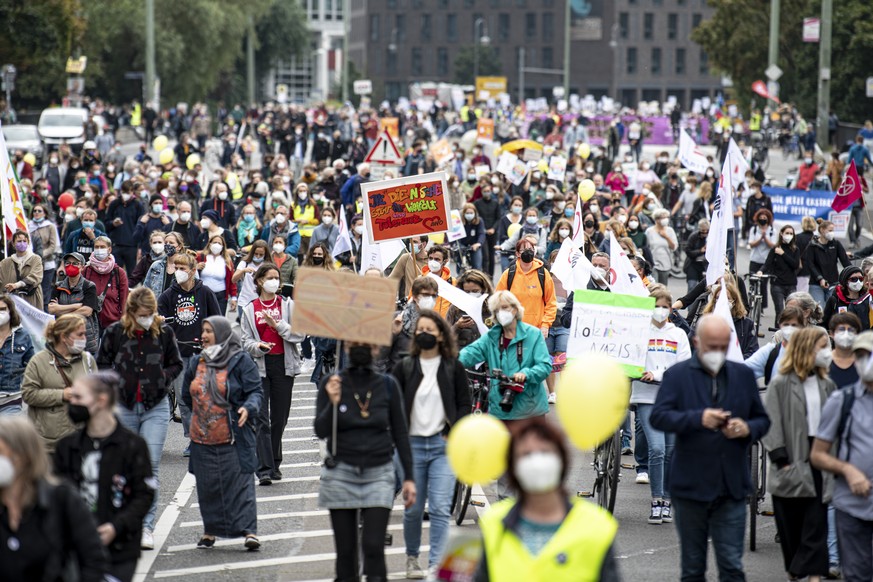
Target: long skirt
(227, 495)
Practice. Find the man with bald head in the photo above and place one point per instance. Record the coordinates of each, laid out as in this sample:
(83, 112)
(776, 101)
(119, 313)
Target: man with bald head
(714, 409)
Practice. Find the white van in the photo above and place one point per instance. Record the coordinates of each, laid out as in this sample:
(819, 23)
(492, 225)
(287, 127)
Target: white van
(59, 125)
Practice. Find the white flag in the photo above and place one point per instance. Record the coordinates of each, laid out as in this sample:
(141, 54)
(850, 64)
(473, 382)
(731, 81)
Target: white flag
(722, 221)
(689, 154)
(571, 267)
(33, 320)
(623, 277)
(723, 310)
(578, 232)
(378, 255)
(470, 305)
(343, 240)
(737, 164)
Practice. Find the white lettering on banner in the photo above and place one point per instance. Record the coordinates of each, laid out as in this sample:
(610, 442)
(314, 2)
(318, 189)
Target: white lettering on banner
(790, 206)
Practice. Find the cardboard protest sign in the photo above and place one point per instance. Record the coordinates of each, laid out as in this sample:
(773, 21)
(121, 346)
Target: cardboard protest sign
(405, 207)
(557, 168)
(510, 166)
(456, 232)
(481, 170)
(442, 152)
(344, 306)
(485, 130)
(612, 324)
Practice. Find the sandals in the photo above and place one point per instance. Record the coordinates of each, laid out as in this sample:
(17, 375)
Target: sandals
(252, 544)
(205, 543)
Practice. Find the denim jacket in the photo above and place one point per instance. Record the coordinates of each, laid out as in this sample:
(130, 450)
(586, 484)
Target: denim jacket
(155, 276)
(15, 353)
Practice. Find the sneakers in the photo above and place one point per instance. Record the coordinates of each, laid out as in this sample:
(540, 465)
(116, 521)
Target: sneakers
(265, 481)
(642, 478)
(553, 398)
(834, 573)
(666, 512)
(147, 542)
(656, 517)
(413, 570)
(187, 451)
(625, 451)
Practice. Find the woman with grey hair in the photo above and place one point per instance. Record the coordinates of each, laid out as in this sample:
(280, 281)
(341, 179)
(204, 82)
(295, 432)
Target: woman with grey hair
(662, 241)
(812, 311)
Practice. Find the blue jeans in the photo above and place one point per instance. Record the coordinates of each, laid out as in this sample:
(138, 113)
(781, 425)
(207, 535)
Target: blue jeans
(184, 411)
(641, 446)
(434, 482)
(660, 452)
(723, 519)
(820, 295)
(10, 410)
(833, 550)
(151, 425)
(476, 258)
(626, 432)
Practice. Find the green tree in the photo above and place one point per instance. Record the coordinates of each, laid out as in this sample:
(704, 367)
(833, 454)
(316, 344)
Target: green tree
(465, 64)
(735, 39)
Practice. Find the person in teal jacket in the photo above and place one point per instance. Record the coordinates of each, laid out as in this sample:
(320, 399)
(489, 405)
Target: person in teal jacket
(519, 350)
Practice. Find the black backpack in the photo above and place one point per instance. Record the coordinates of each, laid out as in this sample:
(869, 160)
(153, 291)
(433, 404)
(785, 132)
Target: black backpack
(845, 417)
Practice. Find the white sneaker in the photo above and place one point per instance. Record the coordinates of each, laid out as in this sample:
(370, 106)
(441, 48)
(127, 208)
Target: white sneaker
(553, 397)
(413, 570)
(642, 478)
(148, 540)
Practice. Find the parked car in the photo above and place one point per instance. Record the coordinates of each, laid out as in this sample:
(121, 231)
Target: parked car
(25, 138)
(59, 125)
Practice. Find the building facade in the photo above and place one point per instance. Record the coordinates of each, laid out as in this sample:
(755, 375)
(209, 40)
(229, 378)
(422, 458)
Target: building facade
(630, 50)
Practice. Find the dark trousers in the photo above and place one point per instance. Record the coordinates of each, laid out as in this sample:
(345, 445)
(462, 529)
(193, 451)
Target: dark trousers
(123, 571)
(802, 524)
(855, 224)
(724, 520)
(273, 417)
(48, 283)
(488, 255)
(125, 257)
(779, 294)
(345, 537)
(855, 537)
(754, 268)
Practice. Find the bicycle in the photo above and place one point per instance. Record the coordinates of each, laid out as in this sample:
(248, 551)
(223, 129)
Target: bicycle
(607, 471)
(758, 469)
(756, 299)
(462, 256)
(479, 395)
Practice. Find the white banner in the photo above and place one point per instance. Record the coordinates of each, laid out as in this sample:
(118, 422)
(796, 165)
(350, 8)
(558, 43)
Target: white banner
(470, 305)
(623, 278)
(33, 320)
(723, 309)
(571, 267)
(690, 156)
(722, 221)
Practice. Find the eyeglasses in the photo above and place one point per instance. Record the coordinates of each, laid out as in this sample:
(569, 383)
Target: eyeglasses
(38, 211)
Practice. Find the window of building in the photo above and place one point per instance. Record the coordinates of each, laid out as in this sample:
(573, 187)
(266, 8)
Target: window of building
(530, 24)
(652, 95)
(656, 60)
(623, 24)
(417, 4)
(426, 25)
(400, 26)
(680, 61)
(452, 27)
(631, 60)
(672, 26)
(503, 27)
(494, 3)
(442, 61)
(629, 97)
(417, 66)
(392, 4)
(704, 62)
(548, 57)
(648, 25)
(328, 9)
(521, 3)
(469, 3)
(393, 91)
(443, 4)
(548, 27)
(695, 20)
(374, 27)
(390, 62)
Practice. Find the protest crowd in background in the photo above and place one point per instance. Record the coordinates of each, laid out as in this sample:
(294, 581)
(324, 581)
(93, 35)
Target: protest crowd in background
(158, 287)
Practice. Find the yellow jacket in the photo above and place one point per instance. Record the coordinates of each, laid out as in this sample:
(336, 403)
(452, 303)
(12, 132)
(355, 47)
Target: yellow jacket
(578, 551)
(305, 212)
(539, 301)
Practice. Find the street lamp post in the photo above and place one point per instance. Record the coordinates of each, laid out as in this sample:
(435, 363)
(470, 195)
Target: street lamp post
(481, 38)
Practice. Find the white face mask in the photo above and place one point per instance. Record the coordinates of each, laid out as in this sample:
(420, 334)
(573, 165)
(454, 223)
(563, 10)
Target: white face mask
(145, 322)
(280, 219)
(271, 285)
(539, 472)
(505, 317)
(531, 219)
(713, 361)
(359, 230)
(787, 238)
(469, 216)
(560, 205)
(185, 216)
(435, 266)
(125, 197)
(823, 358)
(222, 195)
(664, 221)
(4, 317)
(327, 219)
(78, 346)
(633, 224)
(158, 248)
(475, 294)
(426, 302)
(829, 235)
(279, 249)
(7, 472)
(622, 218)
(157, 208)
(661, 314)
(216, 248)
(181, 277)
(205, 223)
(787, 332)
(101, 254)
(599, 274)
(210, 352)
(564, 232)
(856, 285)
(843, 339)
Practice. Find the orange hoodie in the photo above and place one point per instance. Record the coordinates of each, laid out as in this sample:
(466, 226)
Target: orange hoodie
(442, 306)
(540, 303)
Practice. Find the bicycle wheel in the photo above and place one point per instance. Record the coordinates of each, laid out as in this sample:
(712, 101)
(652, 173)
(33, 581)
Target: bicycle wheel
(460, 511)
(613, 469)
(601, 487)
(755, 313)
(753, 497)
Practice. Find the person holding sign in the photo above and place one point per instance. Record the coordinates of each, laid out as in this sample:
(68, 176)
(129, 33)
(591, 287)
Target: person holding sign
(531, 283)
(668, 345)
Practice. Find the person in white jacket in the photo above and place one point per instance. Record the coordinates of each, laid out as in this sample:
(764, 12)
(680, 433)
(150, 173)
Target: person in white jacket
(668, 345)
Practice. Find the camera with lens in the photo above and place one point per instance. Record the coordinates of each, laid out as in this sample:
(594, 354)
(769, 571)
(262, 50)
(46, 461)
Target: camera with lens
(509, 389)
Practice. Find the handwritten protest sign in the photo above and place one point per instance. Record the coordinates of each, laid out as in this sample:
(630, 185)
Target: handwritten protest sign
(485, 130)
(391, 125)
(612, 324)
(344, 306)
(557, 168)
(510, 166)
(481, 170)
(456, 232)
(442, 152)
(404, 207)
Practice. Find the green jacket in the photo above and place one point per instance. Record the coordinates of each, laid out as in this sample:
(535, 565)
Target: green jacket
(536, 363)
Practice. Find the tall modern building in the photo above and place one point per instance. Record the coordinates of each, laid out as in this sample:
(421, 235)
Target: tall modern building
(312, 76)
(630, 50)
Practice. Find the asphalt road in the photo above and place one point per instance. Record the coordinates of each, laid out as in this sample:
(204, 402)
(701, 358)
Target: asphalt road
(296, 535)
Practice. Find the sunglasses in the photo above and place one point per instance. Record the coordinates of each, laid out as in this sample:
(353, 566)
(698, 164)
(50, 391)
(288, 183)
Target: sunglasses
(855, 279)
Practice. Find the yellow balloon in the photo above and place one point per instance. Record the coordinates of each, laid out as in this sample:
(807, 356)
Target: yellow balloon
(586, 190)
(166, 156)
(192, 161)
(477, 447)
(160, 143)
(513, 228)
(584, 151)
(30, 158)
(543, 166)
(593, 394)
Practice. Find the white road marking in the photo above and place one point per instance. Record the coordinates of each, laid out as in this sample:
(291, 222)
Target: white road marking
(285, 515)
(272, 498)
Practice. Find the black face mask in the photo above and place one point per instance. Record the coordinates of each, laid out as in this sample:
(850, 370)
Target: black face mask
(527, 256)
(78, 413)
(589, 224)
(360, 356)
(318, 260)
(169, 250)
(762, 222)
(426, 340)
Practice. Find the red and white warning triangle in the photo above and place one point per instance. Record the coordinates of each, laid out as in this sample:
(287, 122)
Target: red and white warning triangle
(384, 151)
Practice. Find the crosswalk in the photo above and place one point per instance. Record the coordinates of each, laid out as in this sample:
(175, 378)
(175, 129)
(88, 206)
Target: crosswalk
(296, 537)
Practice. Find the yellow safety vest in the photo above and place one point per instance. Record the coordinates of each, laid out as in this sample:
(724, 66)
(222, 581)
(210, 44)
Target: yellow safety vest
(576, 551)
(465, 113)
(236, 193)
(755, 122)
(136, 115)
